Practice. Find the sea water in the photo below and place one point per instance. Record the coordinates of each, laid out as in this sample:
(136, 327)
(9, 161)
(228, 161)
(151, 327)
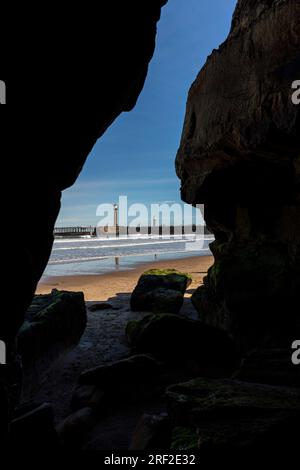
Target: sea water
(77, 256)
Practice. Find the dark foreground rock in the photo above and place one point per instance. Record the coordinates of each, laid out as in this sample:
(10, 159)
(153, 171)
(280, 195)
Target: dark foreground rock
(134, 380)
(103, 76)
(135, 368)
(270, 366)
(33, 428)
(73, 429)
(160, 291)
(101, 306)
(81, 396)
(151, 433)
(54, 323)
(176, 338)
(218, 416)
(126, 381)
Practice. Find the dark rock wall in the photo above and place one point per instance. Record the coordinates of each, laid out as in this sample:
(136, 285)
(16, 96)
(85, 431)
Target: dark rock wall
(239, 155)
(69, 73)
(54, 324)
(70, 77)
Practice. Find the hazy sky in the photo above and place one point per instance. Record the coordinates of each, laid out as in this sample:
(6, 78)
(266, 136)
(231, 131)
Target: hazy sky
(135, 157)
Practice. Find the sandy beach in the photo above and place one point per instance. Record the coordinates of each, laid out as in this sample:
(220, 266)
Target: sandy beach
(106, 286)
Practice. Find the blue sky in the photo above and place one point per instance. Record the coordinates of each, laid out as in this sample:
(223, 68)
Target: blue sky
(135, 157)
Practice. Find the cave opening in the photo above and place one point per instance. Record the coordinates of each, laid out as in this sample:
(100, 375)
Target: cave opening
(127, 334)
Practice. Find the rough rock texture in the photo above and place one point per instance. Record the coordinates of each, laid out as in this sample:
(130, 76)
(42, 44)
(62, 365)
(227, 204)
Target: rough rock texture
(87, 396)
(73, 429)
(90, 71)
(53, 324)
(270, 366)
(68, 79)
(239, 155)
(33, 428)
(227, 415)
(151, 433)
(129, 380)
(160, 291)
(135, 368)
(178, 339)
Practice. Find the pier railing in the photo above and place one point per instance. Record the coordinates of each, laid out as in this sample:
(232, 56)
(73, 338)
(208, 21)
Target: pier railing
(74, 231)
(80, 231)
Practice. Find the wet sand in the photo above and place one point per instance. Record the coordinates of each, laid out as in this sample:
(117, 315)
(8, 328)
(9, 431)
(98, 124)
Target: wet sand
(104, 286)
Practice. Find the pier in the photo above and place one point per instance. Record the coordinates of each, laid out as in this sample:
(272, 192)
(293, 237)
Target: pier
(159, 230)
(74, 231)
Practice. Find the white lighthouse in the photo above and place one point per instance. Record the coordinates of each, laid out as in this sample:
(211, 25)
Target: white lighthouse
(116, 216)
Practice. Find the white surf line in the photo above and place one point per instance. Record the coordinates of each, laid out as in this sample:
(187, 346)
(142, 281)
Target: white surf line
(149, 253)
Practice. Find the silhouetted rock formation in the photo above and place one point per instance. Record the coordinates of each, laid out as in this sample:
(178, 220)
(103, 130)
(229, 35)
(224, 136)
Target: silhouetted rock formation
(133, 369)
(91, 70)
(152, 432)
(226, 416)
(71, 74)
(178, 340)
(239, 155)
(33, 428)
(55, 320)
(54, 323)
(269, 366)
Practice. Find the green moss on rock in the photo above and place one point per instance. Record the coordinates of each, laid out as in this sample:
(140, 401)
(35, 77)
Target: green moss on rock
(175, 337)
(184, 439)
(133, 328)
(54, 321)
(228, 415)
(160, 291)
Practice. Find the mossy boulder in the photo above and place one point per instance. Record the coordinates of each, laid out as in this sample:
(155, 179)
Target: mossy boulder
(228, 415)
(160, 291)
(175, 337)
(184, 438)
(54, 322)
